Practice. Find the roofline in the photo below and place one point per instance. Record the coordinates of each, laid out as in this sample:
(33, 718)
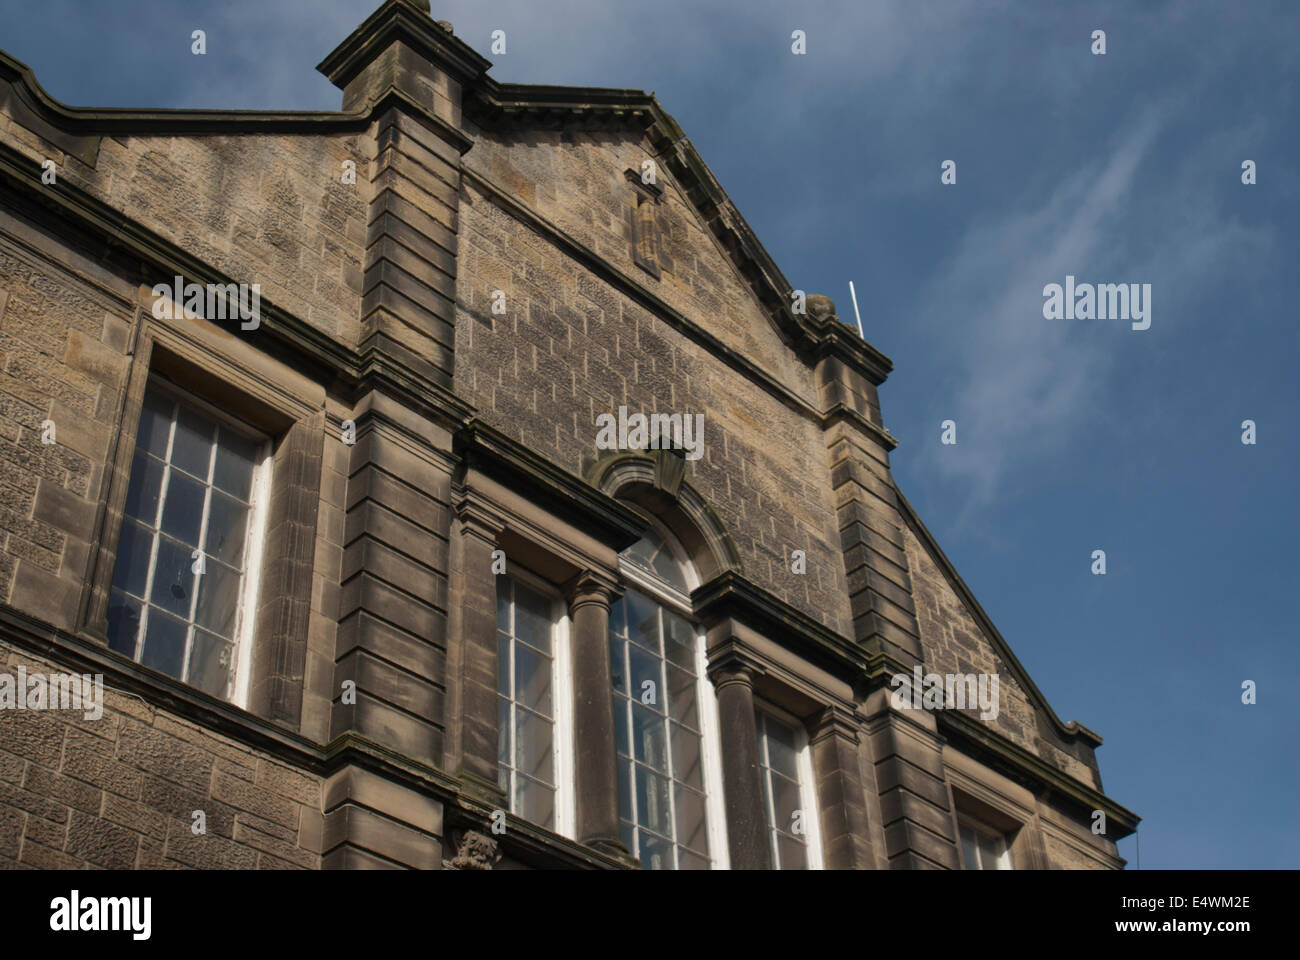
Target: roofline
(1073, 729)
(76, 129)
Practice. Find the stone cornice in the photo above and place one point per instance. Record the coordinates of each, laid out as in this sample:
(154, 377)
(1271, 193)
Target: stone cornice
(839, 412)
(1010, 758)
(405, 21)
(569, 497)
(161, 692)
(488, 102)
(837, 339)
(477, 520)
(731, 595)
(835, 721)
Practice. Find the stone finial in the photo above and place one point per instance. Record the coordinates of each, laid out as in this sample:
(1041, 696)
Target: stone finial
(421, 5)
(445, 24)
(820, 307)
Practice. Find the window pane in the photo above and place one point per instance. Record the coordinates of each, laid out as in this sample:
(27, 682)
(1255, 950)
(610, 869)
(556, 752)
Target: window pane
(989, 850)
(969, 853)
(533, 752)
(173, 580)
(144, 489)
(642, 621)
(183, 509)
(618, 669)
(123, 623)
(503, 666)
(628, 834)
(131, 569)
(164, 643)
(691, 861)
(656, 853)
(227, 529)
(670, 570)
(536, 802)
(218, 599)
(621, 736)
(503, 745)
(625, 790)
(192, 446)
(211, 661)
(651, 553)
(233, 471)
(785, 801)
(652, 801)
(503, 740)
(686, 756)
(645, 668)
(691, 830)
(794, 855)
(781, 749)
(155, 424)
(618, 618)
(178, 512)
(503, 604)
(532, 618)
(648, 738)
(681, 697)
(679, 644)
(533, 679)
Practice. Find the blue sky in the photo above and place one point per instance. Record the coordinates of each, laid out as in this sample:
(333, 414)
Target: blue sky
(1073, 435)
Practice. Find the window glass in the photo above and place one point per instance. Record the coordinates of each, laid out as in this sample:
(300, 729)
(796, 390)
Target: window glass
(177, 601)
(662, 802)
(787, 821)
(651, 554)
(526, 741)
(982, 847)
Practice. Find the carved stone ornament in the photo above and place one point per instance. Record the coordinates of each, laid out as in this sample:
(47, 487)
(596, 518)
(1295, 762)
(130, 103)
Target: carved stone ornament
(476, 851)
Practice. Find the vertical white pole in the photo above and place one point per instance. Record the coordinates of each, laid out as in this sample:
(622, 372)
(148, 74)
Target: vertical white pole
(854, 295)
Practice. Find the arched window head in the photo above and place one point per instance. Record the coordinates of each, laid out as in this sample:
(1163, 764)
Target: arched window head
(652, 554)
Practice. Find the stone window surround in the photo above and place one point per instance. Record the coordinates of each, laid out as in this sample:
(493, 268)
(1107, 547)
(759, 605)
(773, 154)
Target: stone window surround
(643, 229)
(558, 552)
(770, 677)
(201, 361)
(807, 780)
(976, 794)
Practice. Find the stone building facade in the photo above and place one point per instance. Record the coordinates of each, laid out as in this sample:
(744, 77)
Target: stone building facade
(418, 616)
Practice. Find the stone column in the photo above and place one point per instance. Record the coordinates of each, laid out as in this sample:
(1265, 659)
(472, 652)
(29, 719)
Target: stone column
(837, 767)
(473, 629)
(742, 783)
(595, 750)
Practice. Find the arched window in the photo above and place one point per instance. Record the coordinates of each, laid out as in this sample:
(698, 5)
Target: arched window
(665, 714)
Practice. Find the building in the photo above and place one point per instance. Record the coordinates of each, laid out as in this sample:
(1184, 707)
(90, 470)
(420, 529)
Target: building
(319, 442)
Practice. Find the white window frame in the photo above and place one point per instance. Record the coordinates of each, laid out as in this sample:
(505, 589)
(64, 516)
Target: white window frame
(980, 828)
(706, 696)
(254, 540)
(807, 785)
(562, 745)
